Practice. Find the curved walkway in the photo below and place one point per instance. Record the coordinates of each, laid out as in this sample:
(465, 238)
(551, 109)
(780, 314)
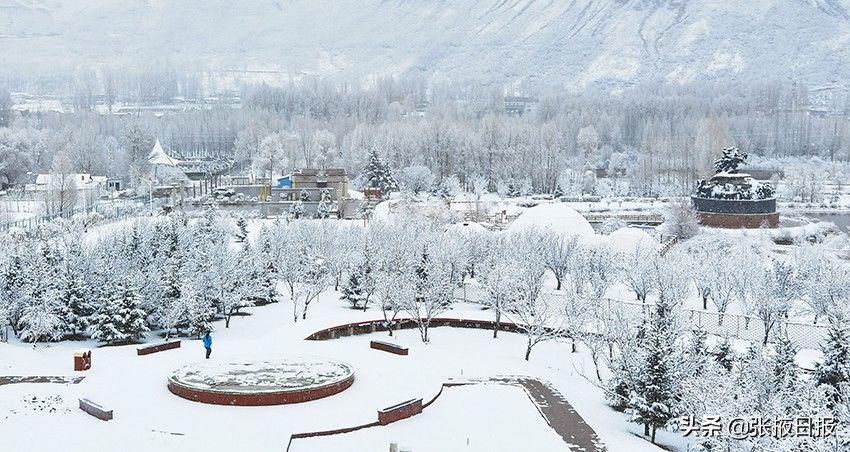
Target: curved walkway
(559, 414)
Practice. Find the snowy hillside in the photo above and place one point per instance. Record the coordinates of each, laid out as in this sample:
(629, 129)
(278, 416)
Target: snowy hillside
(578, 42)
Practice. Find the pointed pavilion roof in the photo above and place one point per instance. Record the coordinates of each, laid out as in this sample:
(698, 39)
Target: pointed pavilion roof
(158, 156)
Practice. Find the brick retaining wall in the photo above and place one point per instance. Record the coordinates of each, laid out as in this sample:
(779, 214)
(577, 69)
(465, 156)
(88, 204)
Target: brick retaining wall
(258, 398)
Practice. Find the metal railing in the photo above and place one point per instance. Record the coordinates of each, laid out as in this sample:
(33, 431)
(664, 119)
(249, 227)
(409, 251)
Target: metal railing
(733, 326)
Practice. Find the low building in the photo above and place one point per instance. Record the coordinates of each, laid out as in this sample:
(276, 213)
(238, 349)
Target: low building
(312, 185)
(519, 105)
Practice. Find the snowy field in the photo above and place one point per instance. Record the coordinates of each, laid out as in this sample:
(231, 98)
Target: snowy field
(148, 416)
(462, 419)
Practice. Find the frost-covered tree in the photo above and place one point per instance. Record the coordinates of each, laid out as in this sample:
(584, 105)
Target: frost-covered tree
(680, 219)
(312, 280)
(394, 290)
(360, 288)
(826, 286)
(120, 319)
(296, 210)
(416, 179)
(500, 281)
(41, 320)
(324, 148)
(654, 398)
(768, 295)
(560, 253)
(537, 315)
(433, 282)
(241, 229)
(323, 210)
(271, 158)
(378, 174)
(834, 370)
(638, 266)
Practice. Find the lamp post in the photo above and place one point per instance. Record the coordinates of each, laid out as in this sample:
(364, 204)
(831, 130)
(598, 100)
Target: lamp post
(150, 194)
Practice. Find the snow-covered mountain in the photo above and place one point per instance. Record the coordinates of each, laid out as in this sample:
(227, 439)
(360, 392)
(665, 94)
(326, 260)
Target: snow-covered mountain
(575, 42)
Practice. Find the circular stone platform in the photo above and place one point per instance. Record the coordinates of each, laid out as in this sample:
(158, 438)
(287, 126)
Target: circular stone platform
(270, 382)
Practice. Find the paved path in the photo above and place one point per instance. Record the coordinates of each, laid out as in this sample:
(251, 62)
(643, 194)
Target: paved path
(11, 379)
(559, 414)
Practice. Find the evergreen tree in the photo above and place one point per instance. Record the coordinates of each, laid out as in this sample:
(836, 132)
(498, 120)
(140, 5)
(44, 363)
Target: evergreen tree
(559, 192)
(352, 292)
(296, 210)
(835, 368)
(785, 370)
(378, 175)
(653, 402)
(119, 319)
(360, 286)
(724, 354)
(76, 309)
(323, 210)
(241, 229)
(304, 196)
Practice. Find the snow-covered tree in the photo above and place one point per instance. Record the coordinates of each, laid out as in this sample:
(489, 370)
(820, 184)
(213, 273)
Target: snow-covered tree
(434, 289)
(560, 253)
(241, 229)
(500, 281)
(416, 178)
(296, 210)
(312, 280)
(360, 288)
(323, 210)
(378, 175)
(638, 267)
(769, 294)
(680, 219)
(834, 370)
(119, 319)
(654, 398)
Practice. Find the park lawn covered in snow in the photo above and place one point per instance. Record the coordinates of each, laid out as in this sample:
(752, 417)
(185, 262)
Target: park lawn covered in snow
(462, 419)
(148, 416)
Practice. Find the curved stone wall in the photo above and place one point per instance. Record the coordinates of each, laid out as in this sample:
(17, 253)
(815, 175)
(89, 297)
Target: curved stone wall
(745, 206)
(259, 398)
(736, 213)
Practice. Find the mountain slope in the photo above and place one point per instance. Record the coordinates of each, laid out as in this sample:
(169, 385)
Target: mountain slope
(575, 42)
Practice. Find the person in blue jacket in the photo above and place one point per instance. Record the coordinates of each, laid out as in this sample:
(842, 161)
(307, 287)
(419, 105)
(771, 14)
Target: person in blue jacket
(208, 343)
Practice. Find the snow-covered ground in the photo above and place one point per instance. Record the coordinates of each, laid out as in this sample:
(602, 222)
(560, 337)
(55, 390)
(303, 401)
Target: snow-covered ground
(462, 419)
(149, 417)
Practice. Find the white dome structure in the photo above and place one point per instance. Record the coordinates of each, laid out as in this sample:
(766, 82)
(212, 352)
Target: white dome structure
(626, 240)
(555, 217)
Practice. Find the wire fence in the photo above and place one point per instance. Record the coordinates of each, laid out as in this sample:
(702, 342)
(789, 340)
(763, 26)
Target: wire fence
(107, 211)
(727, 325)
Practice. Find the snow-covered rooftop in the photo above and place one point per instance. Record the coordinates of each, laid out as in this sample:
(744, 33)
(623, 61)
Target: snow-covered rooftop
(158, 156)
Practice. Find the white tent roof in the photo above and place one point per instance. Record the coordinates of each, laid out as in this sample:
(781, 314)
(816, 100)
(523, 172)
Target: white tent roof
(159, 157)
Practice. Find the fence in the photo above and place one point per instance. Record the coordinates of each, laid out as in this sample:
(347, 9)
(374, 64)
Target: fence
(733, 326)
(106, 210)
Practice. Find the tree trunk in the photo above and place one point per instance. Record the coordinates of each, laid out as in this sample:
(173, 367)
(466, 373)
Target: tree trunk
(558, 279)
(528, 349)
(704, 303)
(227, 320)
(497, 324)
(653, 434)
